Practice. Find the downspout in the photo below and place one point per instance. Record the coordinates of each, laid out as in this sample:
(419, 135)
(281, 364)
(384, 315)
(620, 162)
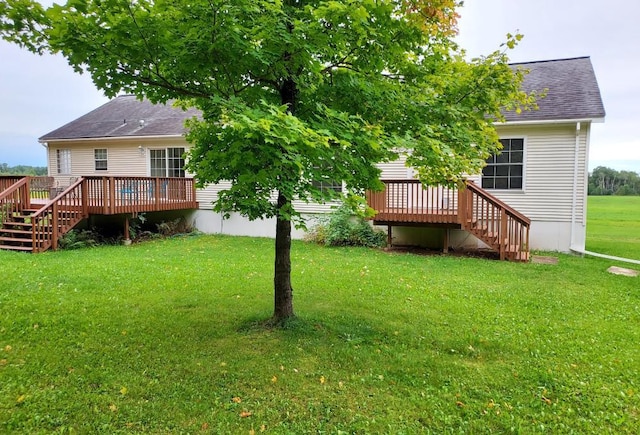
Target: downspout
(574, 199)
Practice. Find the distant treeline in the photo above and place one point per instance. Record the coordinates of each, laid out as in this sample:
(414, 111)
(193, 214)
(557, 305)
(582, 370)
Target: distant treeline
(607, 181)
(5, 169)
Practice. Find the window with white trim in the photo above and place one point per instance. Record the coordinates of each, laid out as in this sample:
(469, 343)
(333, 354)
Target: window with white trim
(63, 161)
(100, 157)
(166, 162)
(505, 170)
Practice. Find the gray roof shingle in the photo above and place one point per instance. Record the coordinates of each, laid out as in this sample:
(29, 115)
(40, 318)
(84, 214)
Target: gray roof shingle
(125, 116)
(572, 90)
(572, 93)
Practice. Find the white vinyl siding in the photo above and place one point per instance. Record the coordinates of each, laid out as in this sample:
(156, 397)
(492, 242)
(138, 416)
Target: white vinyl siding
(549, 162)
(126, 158)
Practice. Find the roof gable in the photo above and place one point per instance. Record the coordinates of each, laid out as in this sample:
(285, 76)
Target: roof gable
(572, 90)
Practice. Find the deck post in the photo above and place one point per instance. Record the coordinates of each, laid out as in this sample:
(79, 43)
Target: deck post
(503, 234)
(54, 226)
(389, 236)
(127, 238)
(445, 247)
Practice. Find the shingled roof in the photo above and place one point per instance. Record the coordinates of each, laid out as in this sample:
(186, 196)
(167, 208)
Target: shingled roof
(125, 116)
(572, 94)
(572, 90)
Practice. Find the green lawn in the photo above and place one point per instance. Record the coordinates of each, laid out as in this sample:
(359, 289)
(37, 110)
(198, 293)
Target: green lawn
(164, 337)
(613, 225)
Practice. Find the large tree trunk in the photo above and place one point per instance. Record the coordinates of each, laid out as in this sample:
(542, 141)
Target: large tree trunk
(283, 293)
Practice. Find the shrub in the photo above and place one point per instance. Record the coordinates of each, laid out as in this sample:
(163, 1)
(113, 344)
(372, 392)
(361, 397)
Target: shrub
(344, 228)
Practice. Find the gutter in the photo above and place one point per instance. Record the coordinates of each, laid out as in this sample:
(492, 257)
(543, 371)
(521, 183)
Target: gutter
(608, 257)
(551, 121)
(99, 139)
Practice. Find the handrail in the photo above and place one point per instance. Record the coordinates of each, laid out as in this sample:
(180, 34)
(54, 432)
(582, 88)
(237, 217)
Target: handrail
(14, 199)
(57, 216)
(486, 195)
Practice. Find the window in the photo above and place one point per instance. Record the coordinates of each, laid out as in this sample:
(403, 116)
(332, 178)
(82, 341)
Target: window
(505, 170)
(100, 159)
(328, 185)
(63, 161)
(166, 162)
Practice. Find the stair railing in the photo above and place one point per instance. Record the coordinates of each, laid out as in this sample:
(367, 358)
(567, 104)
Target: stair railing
(499, 225)
(14, 199)
(58, 216)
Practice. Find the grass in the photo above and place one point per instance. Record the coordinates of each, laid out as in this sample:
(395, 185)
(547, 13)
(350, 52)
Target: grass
(613, 226)
(166, 337)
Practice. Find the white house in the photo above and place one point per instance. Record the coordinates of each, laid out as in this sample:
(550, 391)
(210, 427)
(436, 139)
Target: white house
(541, 172)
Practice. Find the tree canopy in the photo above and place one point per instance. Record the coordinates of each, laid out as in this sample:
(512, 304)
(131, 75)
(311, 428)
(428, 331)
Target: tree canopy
(607, 181)
(292, 91)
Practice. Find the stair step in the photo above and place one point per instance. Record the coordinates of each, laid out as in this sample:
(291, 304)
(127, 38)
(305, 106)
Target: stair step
(13, 231)
(15, 239)
(17, 224)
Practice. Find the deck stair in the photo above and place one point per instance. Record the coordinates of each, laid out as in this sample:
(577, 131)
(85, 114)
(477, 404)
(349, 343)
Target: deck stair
(471, 208)
(15, 235)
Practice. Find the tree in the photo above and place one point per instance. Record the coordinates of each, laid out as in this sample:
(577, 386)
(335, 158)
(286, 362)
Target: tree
(607, 181)
(292, 91)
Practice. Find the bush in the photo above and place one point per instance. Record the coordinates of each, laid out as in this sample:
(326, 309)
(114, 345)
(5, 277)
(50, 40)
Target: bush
(77, 239)
(344, 228)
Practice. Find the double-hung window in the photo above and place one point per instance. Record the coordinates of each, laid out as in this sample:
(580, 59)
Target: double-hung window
(63, 161)
(100, 159)
(505, 170)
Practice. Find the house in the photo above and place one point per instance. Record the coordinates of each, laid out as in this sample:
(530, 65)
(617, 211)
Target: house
(538, 183)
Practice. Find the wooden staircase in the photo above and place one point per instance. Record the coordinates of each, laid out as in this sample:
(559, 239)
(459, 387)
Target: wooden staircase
(471, 208)
(499, 226)
(15, 235)
(29, 227)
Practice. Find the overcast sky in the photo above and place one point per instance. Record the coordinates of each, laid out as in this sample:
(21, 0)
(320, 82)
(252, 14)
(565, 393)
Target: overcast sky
(39, 94)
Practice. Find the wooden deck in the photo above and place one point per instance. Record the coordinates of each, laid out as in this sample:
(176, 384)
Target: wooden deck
(29, 222)
(409, 203)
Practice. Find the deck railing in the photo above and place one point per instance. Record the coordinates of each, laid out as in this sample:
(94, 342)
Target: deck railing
(6, 181)
(491, 220)
(58, 216)
(410, 201)
(13, 199)
(118, 195)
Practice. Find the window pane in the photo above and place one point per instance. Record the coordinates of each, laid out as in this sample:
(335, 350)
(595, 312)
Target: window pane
(517, 144)
(516, 157)
(158, 163)
(488, 171)
(502, 183)
(175, 162)
(487, 183)
(516, 182)
(516, 171)
(502, 158)
(502, 171)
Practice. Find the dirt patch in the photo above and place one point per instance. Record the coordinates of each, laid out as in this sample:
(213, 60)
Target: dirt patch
(416, 250)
